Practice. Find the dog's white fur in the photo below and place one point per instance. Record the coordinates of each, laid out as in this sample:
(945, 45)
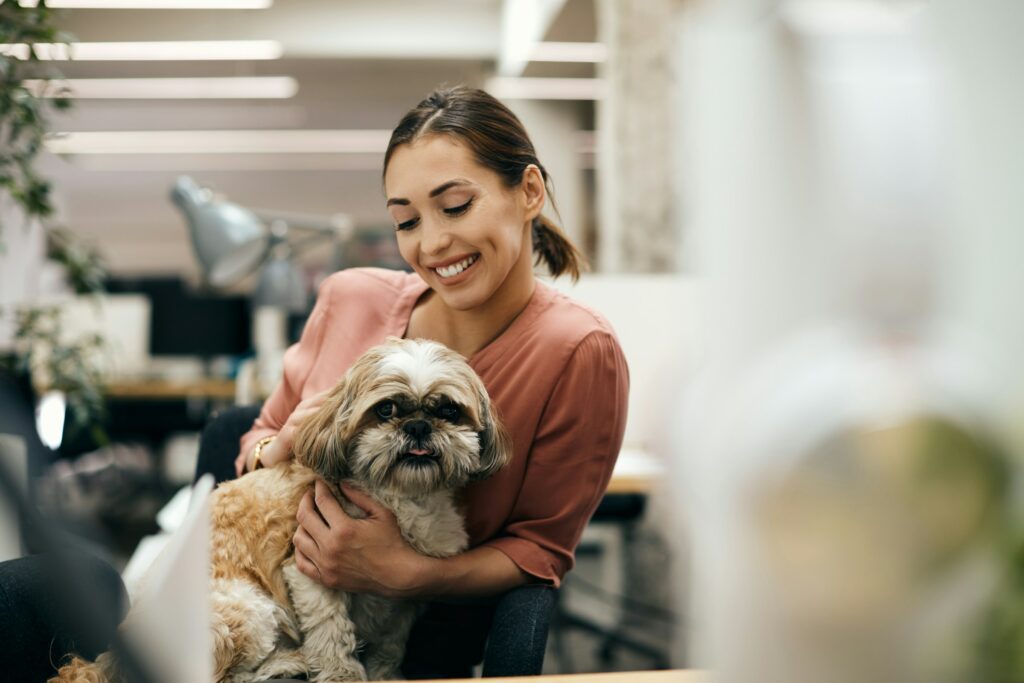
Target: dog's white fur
(269, 619)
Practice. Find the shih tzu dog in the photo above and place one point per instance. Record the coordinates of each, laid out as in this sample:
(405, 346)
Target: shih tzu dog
(410, 423)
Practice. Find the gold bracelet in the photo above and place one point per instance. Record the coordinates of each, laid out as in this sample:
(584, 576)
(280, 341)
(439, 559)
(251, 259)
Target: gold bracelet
(258, 451)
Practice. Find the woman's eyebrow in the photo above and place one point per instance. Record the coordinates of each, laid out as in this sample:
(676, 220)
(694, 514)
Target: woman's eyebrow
(443, 187)
(447, 186)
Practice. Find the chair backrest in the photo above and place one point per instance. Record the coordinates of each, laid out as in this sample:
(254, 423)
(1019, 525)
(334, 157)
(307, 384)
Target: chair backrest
(218, 445)
(519, 632)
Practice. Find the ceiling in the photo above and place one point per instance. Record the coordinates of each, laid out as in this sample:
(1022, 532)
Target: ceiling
(359, 64)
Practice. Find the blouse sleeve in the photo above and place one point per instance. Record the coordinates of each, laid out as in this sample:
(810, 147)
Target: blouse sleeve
(570, 463)
(298, 363)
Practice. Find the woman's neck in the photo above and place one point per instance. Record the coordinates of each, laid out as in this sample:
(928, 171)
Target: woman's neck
(470, 330)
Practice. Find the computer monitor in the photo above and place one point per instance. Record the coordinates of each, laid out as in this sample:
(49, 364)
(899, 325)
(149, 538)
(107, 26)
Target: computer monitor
(190, 322)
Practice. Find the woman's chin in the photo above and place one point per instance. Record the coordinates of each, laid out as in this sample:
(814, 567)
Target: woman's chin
(461, 301)
(462, 296)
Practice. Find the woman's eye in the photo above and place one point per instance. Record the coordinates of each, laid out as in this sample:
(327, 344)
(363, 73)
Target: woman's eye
(385, 410)
(458, 210)
(448, 412)
(407, 225)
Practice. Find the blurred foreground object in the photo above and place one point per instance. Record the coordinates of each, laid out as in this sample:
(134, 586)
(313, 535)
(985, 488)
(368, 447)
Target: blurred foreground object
(873, 501)
(852, 452)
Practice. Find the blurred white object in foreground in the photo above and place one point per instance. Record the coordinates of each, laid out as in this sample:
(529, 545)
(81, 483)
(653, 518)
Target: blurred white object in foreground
(856, 219)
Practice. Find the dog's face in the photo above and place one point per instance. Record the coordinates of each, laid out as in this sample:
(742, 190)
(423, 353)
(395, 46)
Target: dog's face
(410, 415)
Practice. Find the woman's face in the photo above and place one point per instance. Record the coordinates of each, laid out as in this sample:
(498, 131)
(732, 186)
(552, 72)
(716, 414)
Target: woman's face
(459, 227)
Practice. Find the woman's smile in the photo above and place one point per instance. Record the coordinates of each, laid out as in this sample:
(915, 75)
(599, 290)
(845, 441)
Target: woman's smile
(454, 272)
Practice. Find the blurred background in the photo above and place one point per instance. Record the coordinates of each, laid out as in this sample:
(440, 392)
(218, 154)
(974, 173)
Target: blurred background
(803, 219)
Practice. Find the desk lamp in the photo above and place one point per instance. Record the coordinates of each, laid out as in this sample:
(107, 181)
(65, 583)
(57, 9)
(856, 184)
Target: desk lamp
(232, 241)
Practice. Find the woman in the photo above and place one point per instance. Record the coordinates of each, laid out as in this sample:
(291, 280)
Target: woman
(465, 190)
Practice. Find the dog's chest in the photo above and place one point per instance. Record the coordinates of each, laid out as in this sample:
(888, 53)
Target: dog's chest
(431, 524)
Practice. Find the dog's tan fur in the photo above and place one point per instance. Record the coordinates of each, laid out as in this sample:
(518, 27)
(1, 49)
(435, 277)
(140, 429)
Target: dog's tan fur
(269, 620)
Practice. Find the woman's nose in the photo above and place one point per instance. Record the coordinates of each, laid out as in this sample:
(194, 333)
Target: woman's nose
(436, 239)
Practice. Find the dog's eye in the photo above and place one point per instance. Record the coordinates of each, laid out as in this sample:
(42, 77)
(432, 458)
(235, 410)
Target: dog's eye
(385, 410)
(448, 412)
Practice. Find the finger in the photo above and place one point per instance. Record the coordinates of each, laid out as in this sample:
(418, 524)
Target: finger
(329, 507)
(309, 517)
(364, 502)
(306, 566)
(240, 464)
(305, 544)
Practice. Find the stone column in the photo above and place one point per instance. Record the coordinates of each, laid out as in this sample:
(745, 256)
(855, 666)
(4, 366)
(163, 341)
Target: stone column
(637, 214)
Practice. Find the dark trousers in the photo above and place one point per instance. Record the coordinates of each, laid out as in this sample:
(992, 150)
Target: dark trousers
(446, 642)
(39, 622)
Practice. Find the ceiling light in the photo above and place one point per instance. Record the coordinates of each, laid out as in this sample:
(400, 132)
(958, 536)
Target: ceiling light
(150, 51)
(194, 163)
(846, 17)
(151, 4)
(546, 88)
(221, 142)
(265, 87)
(569, 52)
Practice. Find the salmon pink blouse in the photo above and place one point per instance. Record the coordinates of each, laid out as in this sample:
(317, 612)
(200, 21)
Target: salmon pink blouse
(556, 374)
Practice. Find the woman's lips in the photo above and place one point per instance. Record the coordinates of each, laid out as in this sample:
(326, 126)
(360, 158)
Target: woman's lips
(460, 276)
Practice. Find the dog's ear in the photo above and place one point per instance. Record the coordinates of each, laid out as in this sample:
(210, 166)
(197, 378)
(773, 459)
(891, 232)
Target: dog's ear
(322, 438)
(495, 443)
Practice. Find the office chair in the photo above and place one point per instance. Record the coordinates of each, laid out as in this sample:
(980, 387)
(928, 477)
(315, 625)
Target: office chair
(518, 633)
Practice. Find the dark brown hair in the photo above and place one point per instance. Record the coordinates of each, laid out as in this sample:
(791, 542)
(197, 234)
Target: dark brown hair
(500, 143)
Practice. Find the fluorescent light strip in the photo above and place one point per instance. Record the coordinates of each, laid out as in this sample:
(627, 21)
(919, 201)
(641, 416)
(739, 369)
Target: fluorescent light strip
(271, 163)
(151, 4)
(569, 52)
(150, 51)
(259, 87)
(546, 88)
(850, 17)
(221, 142)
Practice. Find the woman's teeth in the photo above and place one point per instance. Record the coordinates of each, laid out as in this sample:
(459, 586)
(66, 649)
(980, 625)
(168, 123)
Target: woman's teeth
(456, 268)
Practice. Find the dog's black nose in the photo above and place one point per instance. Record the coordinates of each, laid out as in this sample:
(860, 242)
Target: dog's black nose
(417, 429)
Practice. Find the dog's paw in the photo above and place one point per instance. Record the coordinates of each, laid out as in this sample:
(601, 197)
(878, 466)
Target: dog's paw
(343, 673)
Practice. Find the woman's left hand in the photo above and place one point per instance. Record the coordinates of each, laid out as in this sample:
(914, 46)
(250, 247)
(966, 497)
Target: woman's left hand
(354, 555)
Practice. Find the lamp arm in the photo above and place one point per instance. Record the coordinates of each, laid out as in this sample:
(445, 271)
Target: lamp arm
(300, 246)
(339, 225)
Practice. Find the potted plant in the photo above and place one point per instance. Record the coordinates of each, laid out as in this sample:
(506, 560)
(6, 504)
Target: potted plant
(24, 80)
(37, 352)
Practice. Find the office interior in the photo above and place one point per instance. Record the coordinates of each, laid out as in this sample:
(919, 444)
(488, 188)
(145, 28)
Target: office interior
(802, 218)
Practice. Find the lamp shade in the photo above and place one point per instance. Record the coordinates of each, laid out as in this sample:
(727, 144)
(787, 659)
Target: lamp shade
(230, 241)
(280, 285)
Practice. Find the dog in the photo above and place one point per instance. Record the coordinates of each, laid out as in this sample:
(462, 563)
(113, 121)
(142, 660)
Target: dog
(410, 423)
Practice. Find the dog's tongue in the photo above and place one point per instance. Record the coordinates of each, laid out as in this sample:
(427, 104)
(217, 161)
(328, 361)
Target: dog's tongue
(419, 451)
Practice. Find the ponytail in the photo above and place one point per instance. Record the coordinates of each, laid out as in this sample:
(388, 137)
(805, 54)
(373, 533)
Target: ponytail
(554, 249)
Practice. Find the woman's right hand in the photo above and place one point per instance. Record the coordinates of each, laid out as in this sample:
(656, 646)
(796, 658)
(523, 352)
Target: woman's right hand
(280, 449)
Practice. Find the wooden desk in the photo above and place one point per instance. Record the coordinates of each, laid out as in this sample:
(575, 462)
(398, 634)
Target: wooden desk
(169, 389)
(636, 472)
(673, 676)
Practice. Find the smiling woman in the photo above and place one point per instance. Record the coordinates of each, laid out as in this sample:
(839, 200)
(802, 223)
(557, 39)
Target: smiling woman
(465, 190)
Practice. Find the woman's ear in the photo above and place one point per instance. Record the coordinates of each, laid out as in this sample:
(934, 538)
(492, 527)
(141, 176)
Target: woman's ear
(321, 441)
(534, 191)
(495, 443)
